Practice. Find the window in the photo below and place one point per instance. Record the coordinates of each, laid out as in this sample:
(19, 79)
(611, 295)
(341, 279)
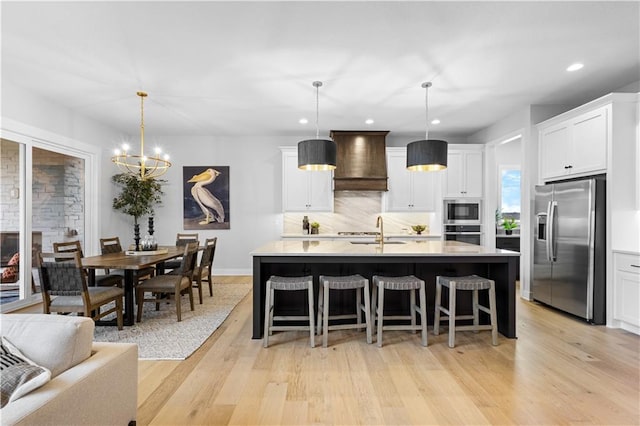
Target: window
(510, 192)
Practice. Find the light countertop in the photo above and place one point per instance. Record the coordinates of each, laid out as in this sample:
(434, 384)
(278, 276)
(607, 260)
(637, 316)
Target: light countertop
(354, 237)
(290, 247)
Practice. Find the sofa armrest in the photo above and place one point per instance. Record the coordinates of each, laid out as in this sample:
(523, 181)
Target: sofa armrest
(100, 390)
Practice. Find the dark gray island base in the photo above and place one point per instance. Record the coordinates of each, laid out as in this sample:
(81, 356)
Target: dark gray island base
(424, 259)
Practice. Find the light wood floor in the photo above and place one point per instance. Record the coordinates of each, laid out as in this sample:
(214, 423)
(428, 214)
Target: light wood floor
(559, 371)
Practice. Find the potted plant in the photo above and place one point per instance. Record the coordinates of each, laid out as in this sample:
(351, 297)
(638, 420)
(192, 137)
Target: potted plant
(315, 227)
(137, 198)
(509, 224)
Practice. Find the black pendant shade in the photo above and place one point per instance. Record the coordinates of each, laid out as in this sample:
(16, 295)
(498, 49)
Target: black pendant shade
(317, 154)
(427, 155)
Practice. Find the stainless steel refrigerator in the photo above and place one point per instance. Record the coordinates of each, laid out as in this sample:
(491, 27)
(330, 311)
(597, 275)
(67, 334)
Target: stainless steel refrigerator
(569, 256)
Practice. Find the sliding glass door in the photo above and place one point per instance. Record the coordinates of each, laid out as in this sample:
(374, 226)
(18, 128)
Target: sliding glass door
(12, 162)
(43, 196)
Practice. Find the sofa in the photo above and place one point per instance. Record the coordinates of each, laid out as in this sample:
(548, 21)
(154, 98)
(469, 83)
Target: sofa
(91, 383)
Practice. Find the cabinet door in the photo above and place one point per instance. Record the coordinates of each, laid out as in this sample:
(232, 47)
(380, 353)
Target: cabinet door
(425, 190)
(589, 142)
(295, 184)
(304, 190)
(455, 175)
(627, 294)
(320, 191)
(398, 198)
(555, 146)
(473, 174)
(626, 289)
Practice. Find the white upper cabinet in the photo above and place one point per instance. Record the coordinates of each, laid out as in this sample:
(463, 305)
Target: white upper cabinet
(302, 190)
(410, 191)
(464, 174)
(576, 146)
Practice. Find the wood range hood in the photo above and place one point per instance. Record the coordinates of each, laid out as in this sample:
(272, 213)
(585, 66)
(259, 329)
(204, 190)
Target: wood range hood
(361, 160)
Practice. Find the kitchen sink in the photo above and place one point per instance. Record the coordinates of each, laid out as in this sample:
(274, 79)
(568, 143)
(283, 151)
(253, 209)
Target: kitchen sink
(373, 242)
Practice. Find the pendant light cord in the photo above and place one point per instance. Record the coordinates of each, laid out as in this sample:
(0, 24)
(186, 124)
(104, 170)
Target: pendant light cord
(317, 112)
(317, 85)
(426, 108)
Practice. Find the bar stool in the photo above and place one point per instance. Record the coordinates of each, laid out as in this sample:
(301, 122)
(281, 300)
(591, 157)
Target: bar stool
(350, 282)
(287, 284)
(410, 283)
(469, 283)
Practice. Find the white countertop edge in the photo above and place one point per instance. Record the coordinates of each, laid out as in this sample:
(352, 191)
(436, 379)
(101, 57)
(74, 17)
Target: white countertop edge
(303, 248)
(320, 236)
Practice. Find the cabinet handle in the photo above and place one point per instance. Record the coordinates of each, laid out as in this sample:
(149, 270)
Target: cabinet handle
(568, 167)
(635, 266)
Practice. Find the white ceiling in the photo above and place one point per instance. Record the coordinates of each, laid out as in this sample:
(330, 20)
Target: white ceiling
(238, 68)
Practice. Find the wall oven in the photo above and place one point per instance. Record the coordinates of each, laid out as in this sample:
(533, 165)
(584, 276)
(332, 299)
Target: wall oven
(462, 212)
(471, 234)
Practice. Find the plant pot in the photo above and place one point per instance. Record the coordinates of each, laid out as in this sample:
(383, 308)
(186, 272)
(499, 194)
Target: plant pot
(508, 231)
(314, 230)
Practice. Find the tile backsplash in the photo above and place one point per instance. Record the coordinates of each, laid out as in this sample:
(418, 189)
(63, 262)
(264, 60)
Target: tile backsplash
(358, 211)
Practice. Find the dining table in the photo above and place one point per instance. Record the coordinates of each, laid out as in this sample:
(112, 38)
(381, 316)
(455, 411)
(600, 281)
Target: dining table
(129, 262)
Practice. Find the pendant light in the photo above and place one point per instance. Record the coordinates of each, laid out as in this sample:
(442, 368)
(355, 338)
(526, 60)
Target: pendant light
(317, 154)
(141, 166)
(427, 155)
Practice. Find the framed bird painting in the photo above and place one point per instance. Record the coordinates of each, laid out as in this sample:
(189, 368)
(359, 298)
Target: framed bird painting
(206, 197)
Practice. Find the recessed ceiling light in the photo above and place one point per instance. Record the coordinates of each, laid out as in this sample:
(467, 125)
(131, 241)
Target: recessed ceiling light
(575, 67)
(369, 121)
(435, 121)
(303, 121)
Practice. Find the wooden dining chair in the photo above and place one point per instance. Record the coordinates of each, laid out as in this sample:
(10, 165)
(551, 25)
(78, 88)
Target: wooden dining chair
(64, 288)
(202, 272)
(176, 284)
(106, 280)
(181, 240)
(112, 245)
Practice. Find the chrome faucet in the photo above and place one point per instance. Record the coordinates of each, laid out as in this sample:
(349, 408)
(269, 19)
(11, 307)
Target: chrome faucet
(380, 235)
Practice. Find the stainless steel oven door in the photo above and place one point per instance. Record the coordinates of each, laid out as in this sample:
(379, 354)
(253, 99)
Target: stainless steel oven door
(462, 212)
(464, 237)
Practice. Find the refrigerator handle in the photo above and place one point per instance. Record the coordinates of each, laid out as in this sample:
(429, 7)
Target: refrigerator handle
(551, 236)
(547, 232)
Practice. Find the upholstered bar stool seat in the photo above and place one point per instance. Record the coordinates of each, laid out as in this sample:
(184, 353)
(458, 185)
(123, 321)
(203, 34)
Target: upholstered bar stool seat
(287, 284)
(405, 283)
(350, 282)
(467, 283)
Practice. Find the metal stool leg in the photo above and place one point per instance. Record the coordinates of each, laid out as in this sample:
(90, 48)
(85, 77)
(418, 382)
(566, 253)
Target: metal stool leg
(312, 329)
(452, 315)
(380, 313)
(267, 315)
(436, 318)
(494, 319)
(423, 313)
(367, 311)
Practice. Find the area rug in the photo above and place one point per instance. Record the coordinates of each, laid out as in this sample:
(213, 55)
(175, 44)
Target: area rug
(161, 336)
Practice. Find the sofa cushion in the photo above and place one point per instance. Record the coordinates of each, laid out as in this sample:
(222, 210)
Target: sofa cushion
(56, 342)
(19, 375)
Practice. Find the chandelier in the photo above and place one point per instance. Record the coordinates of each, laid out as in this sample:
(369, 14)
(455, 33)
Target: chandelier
(141, 166)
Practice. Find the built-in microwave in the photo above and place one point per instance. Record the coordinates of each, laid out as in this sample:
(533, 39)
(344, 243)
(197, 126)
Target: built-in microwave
(462, 212)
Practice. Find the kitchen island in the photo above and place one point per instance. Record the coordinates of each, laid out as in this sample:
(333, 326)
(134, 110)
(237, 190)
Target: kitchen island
(424, 259)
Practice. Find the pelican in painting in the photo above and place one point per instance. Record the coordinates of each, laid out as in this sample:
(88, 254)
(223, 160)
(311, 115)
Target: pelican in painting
(210, 205)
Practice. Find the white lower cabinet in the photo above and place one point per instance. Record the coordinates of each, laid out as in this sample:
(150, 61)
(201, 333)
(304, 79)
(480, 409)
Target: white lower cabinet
(626, 291)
